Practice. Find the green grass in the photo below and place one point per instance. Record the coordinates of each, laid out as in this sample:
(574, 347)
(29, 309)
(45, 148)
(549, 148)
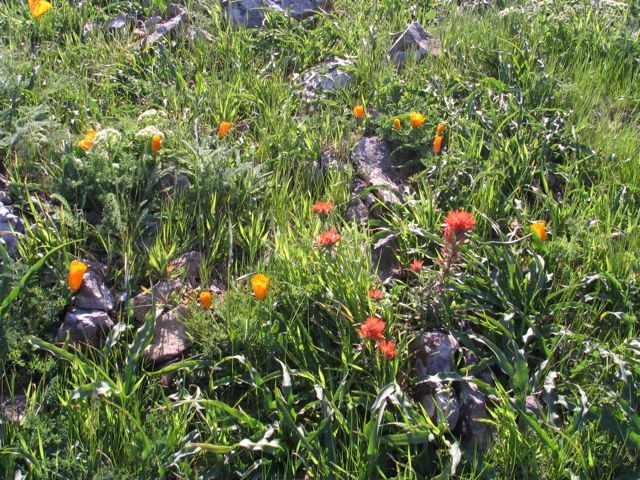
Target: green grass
(542, 107)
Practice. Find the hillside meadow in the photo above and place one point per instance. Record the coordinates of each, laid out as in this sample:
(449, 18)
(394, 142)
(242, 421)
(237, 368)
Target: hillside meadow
(348, 239)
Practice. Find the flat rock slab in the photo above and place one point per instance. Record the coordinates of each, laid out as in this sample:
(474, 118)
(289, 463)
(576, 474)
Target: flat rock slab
(415, 40)
(373, 160)
(170, 337)
(85, 326)
(187, 264)
(94, 294)
(251, 13)
(162, 291)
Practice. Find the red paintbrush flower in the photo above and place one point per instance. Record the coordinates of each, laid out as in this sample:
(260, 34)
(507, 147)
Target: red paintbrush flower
(387, 348)
(323, 208)
(372, 329)
(328, 238)
(457, 223)
(416, 265)
(376, 294)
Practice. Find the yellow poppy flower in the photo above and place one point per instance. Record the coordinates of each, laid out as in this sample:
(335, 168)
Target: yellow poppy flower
(540, 229)
(223, 129)
(156, 143)
(205, 299)
(358, 111)
(417, 119)
(39, 7)
(397, 124)
(85, 144)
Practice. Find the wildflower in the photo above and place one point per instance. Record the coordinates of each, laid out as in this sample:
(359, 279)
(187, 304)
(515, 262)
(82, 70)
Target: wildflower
(205, 299)
(397, 124)
(39, 7)
(416, 265)
(90, 135)
(440, 129)
(376, 294)
(323, 208)
(458, 223)
(85, 144)
(156, 143)
(437, 144)
(77, 270)
(372, 329)
(417, 119)
(358, 111)
(260, 285)
(387, 348)
(540, 229)
(223, 129)
(328, 238)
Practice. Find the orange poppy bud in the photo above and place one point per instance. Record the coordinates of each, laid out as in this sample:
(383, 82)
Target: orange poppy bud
(39, 7)
(358, 111)
(540, 229)
(205, 299)
(77, 270)
(437, 144)
(396, 124)
(85, 144)
(156, 143)
(417, 119)
(223, 129)
(440, 128)
(260, 285)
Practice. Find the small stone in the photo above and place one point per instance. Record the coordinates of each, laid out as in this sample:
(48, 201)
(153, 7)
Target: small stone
(383, 256)
(14, 409)
(94, 294)
(162, 291)
(174, 184)
(433, 353)
(170, 338)
(357, 211)
(178, 18)
(188, 264)
(85, 326)
(10, 227)
(414, 40)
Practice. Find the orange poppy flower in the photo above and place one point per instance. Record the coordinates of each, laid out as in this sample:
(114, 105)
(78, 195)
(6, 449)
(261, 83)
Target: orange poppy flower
(205, 299)
(85, 144)
(397, 124)
(260, 285)
(440, 128)
(359, 112)
(540, 229)
(437, 144)
(387, 348)
(156, 143)
(223, 129)
(417, 119)
(90, 135)
(77, 270)
(39, 7)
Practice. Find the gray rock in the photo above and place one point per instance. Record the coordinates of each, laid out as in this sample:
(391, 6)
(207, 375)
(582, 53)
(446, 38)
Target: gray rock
(14, 409)
(93, 294)
(170, 338)
(251, 13)
(163, 291)
(178, 19)
(433, 353)
(533, 405)
(10, 227)
(473, 426)
(447, 402)
(85, 326)
(174, 184)
(373, 160)
(121, 21)
(383, 256)
(329, 76)
(188, 264)
(5, 198)
(415, 40)
(151, 23)
(357, 211)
